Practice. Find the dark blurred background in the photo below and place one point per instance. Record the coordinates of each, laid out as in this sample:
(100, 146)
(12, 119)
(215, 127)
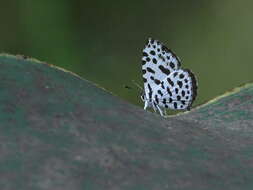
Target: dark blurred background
(102, 40)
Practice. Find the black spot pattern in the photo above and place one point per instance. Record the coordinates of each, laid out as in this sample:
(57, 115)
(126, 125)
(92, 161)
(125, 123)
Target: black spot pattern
(179, 91)
(175, 105)
(161, 57)
(194, 87)
(150, 91)
(170, 82)
(154, 60)
(172, 65)
(150, 70)
(145, 54)
(162, 85)
(180, 84)
(181, 76)
(157, 81)
(175, 74)
(164, 70)
(169, 92)
(152, 52)
(164, 48)
(183, 93)
(160, 92)
(156, 99)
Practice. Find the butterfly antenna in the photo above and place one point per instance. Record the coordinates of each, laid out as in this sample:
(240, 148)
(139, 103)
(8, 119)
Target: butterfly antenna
(138, 86)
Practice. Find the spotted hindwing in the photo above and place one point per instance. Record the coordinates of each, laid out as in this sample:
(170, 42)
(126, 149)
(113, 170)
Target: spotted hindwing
(177, 91)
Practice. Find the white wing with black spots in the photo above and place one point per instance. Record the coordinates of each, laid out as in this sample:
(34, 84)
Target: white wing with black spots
(177, 91)
(157, 63)
(166, 85)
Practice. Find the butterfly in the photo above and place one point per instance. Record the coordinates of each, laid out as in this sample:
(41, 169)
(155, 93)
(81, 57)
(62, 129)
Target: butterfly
(166, 84)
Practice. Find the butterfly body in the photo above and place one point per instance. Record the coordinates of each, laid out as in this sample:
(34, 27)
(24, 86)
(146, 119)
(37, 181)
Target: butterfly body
(166, 85)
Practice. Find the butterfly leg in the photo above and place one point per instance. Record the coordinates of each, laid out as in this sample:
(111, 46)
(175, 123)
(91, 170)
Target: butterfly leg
(161, 112)
(154, 106)
(145, 105)
(164, 111)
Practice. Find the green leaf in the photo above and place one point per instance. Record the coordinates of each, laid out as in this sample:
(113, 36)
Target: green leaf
(58, 131)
